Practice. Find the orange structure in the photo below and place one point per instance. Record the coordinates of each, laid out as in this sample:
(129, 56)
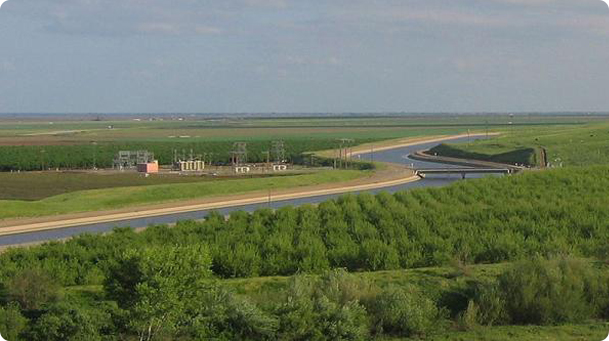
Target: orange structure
(150, 167)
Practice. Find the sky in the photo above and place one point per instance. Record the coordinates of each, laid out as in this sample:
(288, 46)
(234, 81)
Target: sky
(303, 56)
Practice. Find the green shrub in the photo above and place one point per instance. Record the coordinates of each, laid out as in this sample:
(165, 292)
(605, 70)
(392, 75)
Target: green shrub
(404, 312)
(324, 309)
(468, 319)
(222, 316)
(32, 289)
(69, 322)
(546, 292)
(12, 323)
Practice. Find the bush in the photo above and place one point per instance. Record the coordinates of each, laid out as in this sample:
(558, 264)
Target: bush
(403, 312)
(12, 323)
(68, 322)
(222, 316)
(32, 288)
(468, 319)
(325, 309)
(546, 292)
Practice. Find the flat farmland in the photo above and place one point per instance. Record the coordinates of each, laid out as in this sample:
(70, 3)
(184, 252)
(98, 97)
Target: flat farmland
(578, 145)
(41, 185)
(120, 197)
(194, 129)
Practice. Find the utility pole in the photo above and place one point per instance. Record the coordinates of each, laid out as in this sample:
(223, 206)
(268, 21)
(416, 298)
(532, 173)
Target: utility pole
(270, 195)
(42, 151)
(487, 129)
(239, 153)
(94, 155)
(345, 147)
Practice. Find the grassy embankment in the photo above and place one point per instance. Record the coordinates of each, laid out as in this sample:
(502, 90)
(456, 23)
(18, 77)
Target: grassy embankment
(115, 198)
(566, 145)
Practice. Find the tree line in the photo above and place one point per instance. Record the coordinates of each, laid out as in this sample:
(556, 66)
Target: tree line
(101, 155)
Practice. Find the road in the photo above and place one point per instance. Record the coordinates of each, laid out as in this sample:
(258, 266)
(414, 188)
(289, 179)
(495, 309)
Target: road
(397, 156)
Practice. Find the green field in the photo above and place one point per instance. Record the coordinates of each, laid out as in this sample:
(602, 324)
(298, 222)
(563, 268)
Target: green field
(199, 128)
(121, 197)
(582, 332)
(40, 185)
(565, 145)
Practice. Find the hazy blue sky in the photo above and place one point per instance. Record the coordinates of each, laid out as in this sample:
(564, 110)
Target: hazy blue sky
(303, 55)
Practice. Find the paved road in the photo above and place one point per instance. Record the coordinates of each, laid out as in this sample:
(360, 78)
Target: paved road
(398, 156)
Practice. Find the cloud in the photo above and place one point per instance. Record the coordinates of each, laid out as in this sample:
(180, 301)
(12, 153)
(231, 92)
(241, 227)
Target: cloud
(517, 16)
(127, 17)
(213, 17)
(267, 3)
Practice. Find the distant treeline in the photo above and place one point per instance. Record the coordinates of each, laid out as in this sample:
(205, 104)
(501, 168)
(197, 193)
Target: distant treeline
(101, 155)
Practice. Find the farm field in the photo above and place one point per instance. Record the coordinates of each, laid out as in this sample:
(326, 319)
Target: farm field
(40, 185)
(28, 146)
(145, 194)
(250, 129)
(566, 145)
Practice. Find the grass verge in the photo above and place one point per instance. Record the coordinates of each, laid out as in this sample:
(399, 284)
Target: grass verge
(579, 145)
(115, 198)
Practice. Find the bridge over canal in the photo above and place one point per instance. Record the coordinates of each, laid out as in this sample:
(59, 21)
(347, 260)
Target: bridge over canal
(422, 172)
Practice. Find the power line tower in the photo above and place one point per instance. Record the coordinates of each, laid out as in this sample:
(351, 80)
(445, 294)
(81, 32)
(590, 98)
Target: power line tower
(278, 149)
(239, 153)
(345, 150)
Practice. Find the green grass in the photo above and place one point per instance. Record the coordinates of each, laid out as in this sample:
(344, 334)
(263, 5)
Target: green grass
(252, 129)
(585, 332)
(115, 198)
(566, 145)
(521, 156)
(40, 185)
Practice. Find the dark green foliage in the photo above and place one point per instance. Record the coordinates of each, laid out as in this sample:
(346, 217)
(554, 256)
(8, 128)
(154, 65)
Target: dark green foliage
(26, 158)
(479, 221)
(32, 288)
(221, 315)
(70, 322)
(161, 276)
(404, 311)
(524, 156)
(324, 309)
(12, 322)
(159, 286)
(545, 292)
